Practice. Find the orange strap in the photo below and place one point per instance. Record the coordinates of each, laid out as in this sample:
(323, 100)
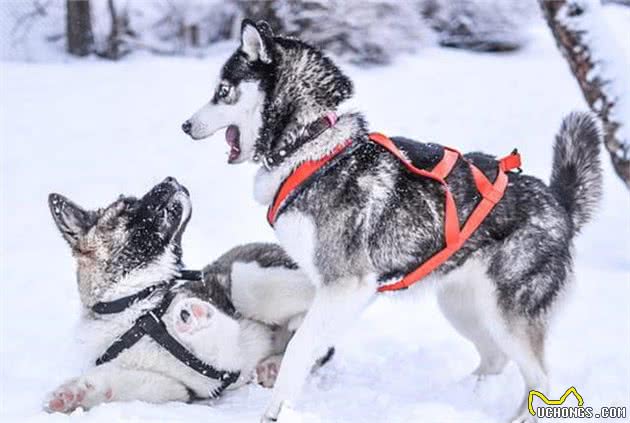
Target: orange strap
(295, 179)
(454, 237)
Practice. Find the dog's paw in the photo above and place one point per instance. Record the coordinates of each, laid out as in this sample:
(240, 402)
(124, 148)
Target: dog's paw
(191, 315)
(71, 395)
(267, 371)
(274, 410)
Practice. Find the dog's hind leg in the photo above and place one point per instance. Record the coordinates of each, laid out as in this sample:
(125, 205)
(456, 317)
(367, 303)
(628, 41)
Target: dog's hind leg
(468, 301)
(471, 305)
(530, 273)
(109, 382)
(524, 343)
(335, 306)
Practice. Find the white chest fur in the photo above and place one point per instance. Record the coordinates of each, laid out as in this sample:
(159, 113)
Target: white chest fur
(297, 235)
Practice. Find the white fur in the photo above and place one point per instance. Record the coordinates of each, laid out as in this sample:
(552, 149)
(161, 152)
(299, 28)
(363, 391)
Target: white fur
(273, 295)
(334, 308)
(296, 233)
(246, 113)
(468, 299)
(183, 199)
(252, 44)
(220, 332)
(221, 342)
(221, 339)
(162, 268)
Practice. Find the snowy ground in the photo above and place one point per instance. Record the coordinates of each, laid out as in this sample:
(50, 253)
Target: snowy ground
(92, 130)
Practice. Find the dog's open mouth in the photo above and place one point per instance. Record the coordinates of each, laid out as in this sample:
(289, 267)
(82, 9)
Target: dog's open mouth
(233, 136)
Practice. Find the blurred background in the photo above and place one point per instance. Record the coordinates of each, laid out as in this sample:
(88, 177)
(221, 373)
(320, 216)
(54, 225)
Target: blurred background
(360, 31)
(365, 33)
(92, 96)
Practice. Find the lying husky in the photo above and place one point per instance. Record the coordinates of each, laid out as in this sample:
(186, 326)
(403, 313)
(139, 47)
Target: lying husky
(364, 217)
(235, 316)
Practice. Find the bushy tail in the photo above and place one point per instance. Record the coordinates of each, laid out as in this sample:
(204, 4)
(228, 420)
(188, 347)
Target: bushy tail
(576, 179)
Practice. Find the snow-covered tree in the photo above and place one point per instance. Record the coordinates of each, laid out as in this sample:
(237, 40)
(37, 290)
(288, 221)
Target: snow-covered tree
(79, 36)
(362, 31)
(600, 67)
(161, 26)
(483, 25)
(192, 24)
(32, 29)
(265, 10)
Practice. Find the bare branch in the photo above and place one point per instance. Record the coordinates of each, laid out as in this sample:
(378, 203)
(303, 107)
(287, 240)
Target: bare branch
(25, 23)
(572, 23)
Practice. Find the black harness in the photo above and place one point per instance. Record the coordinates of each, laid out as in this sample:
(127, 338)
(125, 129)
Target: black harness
(150, 323)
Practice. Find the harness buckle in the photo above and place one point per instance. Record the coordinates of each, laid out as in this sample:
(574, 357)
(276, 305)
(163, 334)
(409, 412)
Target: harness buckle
(511, 162)
(152, 314)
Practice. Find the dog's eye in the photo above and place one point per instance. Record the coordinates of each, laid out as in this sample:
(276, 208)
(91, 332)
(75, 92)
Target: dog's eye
(223, 92)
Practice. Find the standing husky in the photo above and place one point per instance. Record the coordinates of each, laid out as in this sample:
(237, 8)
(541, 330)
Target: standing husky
(132, 248)
(365, 216)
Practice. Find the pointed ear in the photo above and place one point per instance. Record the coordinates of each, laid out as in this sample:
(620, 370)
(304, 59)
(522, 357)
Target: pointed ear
(73, 222)
(253, 42)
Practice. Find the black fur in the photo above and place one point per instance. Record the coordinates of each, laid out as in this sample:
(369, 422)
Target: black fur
(576, 176)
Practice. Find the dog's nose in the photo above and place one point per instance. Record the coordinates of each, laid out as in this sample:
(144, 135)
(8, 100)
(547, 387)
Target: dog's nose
(186, 127)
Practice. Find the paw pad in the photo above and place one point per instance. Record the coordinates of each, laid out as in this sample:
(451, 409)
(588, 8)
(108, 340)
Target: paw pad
(191, 315)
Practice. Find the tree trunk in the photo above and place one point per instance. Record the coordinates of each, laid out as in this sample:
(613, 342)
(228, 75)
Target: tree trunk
(569, 21)
(79, 27)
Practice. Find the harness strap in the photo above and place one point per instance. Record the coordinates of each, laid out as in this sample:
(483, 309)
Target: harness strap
(439, 172)
(301, 174)
(137, 331)
(150, 323)
(157, 331)
(454, 235)
(121, 304)
(491, 193)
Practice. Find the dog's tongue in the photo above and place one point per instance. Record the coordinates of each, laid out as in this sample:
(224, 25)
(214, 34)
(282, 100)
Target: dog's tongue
(232, 137)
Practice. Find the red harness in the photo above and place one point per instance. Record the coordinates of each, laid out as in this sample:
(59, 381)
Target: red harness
(491, 193)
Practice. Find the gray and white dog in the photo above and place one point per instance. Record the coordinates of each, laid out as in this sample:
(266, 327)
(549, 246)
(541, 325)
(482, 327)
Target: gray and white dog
(225, 319)
(366, 217)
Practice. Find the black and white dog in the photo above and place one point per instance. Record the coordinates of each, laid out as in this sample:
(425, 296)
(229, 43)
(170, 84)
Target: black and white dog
(129, 263)
(366, 216)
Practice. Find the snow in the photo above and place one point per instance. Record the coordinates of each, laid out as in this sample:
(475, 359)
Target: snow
(93, 129)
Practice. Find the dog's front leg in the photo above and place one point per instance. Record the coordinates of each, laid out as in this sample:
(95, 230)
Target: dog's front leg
(335, 306)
